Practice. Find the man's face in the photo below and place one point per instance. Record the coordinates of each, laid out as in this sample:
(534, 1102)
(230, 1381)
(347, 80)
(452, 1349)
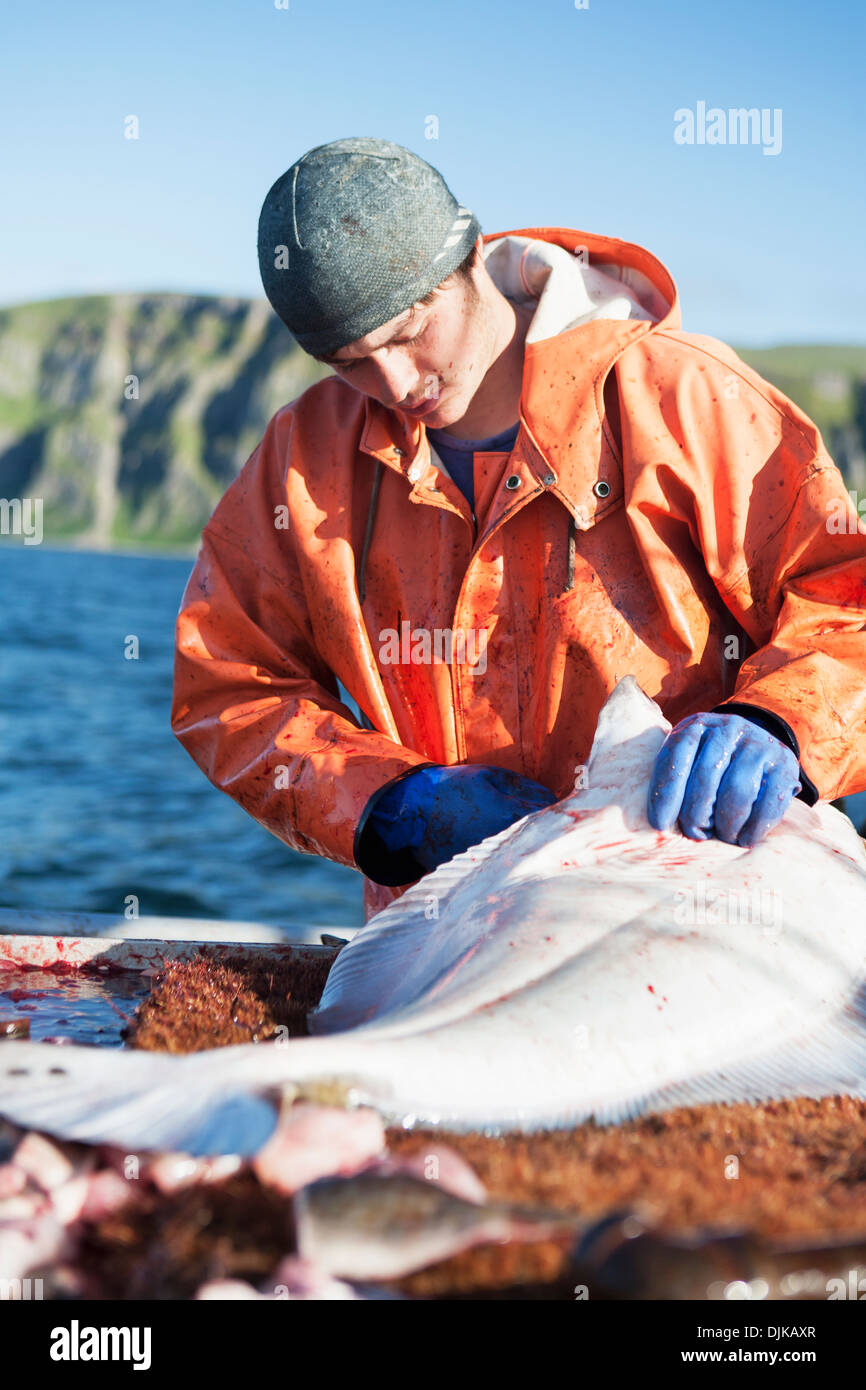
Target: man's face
(428, 361)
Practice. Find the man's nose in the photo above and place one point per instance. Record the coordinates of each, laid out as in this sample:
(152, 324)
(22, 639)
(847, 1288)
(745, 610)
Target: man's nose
(397, 379)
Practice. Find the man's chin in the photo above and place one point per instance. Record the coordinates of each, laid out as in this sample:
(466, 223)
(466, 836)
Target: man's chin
(447, 412)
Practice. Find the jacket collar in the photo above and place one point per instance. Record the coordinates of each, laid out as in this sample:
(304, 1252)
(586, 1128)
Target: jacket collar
(564, 444)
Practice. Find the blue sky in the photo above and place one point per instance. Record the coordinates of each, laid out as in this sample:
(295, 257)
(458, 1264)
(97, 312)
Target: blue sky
(548, 114)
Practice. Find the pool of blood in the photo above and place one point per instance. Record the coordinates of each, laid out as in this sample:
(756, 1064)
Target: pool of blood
(72, 1006)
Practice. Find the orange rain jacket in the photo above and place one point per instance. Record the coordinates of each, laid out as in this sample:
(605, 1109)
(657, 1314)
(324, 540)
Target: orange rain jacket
(665, 512)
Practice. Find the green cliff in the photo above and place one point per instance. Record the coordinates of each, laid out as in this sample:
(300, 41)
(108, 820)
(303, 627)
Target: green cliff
(130, 414)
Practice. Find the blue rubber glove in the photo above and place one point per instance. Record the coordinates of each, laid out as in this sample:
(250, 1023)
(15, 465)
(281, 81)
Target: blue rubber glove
(436, 812)
(722, 775)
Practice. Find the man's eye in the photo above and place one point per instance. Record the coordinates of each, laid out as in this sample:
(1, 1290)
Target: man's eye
(350, 366)
(415, 337)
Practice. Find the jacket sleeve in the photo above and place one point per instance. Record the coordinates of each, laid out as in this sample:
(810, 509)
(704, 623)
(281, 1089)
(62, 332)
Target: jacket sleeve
(254, 705)
(782, 541)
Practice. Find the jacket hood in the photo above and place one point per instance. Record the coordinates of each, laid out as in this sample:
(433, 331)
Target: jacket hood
(576, 277)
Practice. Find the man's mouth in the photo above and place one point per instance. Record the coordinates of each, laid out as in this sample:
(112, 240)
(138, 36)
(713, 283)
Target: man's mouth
(422, 407)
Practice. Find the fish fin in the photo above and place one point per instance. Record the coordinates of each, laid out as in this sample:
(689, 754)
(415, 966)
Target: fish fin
(377, 962)
(831, 1061)
(137, 1100)
(630, 731)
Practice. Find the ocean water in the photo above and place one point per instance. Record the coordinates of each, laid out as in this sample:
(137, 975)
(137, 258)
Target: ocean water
(98, 800)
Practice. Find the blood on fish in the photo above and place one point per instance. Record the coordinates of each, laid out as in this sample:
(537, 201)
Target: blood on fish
(461, 960)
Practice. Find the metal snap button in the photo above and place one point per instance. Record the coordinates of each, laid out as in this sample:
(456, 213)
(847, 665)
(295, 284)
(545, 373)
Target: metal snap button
(512, 482)
(549, 479)
(601, 489)
(401, 453)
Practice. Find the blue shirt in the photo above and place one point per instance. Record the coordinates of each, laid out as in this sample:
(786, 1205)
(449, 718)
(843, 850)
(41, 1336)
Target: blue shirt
(458, 455)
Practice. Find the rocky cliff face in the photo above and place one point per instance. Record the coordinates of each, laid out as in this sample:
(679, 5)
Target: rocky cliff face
(130, 414)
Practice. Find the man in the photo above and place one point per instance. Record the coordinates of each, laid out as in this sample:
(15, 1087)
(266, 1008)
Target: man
(523, 483)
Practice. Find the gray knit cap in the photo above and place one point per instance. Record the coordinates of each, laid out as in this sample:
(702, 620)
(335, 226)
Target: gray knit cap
(354, 234)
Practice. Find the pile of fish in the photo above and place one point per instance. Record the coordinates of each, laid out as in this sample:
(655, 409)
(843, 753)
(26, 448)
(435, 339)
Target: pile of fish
(360, 1213)
(363, 1217)
(579, 964)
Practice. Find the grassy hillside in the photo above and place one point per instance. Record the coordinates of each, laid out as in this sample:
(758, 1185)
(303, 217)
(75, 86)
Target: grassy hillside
(828, 382)
(129, 414)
